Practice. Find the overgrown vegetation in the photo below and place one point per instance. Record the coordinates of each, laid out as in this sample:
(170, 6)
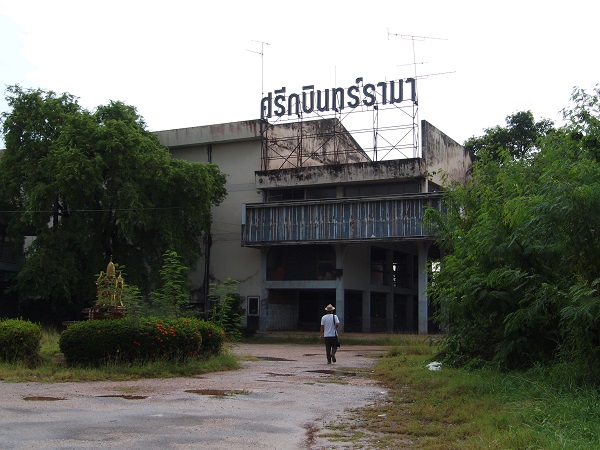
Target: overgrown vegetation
(519, 285)
(469, 409)
(227, 311)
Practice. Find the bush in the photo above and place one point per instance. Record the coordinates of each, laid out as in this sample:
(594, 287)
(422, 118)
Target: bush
(213, 337)
(19, 340)
(135, 339)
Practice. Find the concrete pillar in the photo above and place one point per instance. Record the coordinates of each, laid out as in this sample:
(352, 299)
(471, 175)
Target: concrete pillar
(423, 248)
(340, 303)
(263, 318)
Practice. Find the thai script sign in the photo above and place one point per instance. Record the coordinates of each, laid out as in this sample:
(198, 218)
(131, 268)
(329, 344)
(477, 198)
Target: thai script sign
(335, 99)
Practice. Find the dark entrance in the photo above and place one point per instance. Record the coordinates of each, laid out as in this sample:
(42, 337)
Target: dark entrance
(311, 307)
(353, 313)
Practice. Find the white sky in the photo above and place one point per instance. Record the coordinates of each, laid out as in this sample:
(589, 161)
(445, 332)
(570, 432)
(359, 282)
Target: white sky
(186, 63)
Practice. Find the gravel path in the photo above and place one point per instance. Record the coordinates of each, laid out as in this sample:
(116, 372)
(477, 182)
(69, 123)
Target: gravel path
(280, 399)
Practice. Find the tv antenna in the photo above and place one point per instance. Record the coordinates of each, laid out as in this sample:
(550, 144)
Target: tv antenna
(414, 38)
(262, 64)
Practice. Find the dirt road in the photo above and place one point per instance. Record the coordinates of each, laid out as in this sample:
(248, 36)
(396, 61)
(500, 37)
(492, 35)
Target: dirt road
(280, 399)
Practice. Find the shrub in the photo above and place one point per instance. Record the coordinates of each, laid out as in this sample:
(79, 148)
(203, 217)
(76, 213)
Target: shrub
(19, 340)
(135, 339)
(213, 337)
(227, 311)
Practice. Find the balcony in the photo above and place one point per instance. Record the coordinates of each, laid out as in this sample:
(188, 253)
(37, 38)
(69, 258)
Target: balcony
(337, 220)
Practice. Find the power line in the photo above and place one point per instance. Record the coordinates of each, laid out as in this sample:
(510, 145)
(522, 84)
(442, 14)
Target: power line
(93, 210)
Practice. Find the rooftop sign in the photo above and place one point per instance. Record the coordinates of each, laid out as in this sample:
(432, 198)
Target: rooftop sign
(336, 99)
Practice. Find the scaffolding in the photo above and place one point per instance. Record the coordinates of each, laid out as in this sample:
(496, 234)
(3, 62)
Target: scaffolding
(378, 132)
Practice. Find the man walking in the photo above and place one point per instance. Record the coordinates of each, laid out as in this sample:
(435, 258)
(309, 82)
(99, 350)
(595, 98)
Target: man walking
(329, 326)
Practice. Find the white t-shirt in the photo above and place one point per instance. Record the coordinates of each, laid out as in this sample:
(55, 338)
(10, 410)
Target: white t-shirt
(329, 325)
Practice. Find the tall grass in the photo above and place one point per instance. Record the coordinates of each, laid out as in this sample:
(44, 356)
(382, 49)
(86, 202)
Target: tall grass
(480, 409)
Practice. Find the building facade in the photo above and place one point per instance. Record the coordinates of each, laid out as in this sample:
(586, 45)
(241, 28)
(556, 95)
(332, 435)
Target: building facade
(311, 219)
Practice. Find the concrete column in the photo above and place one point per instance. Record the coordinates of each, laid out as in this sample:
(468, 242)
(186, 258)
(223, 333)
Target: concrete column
(340, 303)
(263, 318)
(423, 248)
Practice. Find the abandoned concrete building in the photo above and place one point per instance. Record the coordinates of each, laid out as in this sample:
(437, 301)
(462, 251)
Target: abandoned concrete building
(311, 219)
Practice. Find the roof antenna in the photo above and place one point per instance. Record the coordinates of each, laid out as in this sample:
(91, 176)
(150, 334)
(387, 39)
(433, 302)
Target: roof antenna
(262, 62)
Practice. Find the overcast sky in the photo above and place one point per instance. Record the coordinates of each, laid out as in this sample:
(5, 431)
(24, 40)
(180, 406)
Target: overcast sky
(190, 63)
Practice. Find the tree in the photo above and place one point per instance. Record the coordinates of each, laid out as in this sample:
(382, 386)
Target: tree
(227, 311)
(519, 282)
(172, 297)
(91, 185)
(519, 138)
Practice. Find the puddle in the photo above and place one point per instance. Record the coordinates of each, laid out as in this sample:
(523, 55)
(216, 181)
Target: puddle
(273, 374)
(43, 399)
(125, 396)
(216, 392)
(272, 358)
(334, 372)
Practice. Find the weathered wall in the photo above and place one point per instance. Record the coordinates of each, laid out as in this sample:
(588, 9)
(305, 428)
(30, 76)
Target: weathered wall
(442, 155)
(311, 143)
(397, 169)
(210, 134)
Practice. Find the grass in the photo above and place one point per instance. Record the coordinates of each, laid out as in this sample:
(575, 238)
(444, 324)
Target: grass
(309, 338)
(459, 409)
(446, 409)
(50, 367)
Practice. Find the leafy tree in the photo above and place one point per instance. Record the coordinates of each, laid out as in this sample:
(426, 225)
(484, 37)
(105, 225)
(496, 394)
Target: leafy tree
(519, 282)
(173, 296)
(90, 185)
(517, 139)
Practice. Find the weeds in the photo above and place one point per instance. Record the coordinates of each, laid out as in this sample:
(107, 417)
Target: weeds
(460, 409)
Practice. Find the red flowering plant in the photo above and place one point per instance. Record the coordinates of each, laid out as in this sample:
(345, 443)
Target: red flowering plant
(213, 337)
(131, 339)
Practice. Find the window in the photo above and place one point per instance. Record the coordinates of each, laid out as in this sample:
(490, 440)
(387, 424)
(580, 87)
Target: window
(301, 262)
(253, 306)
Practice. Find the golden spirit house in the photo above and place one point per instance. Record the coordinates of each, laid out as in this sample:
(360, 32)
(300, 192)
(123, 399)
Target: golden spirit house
(313, 217)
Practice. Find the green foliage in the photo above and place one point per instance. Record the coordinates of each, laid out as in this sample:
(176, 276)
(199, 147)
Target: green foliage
(519, 138)
(20, 340)
(91, 185)
(473, 409)
(519, 280)
(173, 296)
(213, 338)
(227, 311)
(130, 339)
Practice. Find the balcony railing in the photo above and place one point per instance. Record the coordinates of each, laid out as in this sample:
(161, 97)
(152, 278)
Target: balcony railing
(337, 220)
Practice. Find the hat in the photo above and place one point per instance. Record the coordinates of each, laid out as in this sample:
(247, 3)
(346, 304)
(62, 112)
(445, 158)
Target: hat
(329, 307)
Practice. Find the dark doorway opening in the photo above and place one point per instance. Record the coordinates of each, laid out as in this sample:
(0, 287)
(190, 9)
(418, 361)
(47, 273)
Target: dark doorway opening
(311, 307)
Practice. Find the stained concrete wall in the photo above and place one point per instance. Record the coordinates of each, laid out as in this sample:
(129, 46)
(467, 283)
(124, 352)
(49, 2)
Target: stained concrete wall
(311, 143)
(443, 156)
(211, 134)
(392, 170)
